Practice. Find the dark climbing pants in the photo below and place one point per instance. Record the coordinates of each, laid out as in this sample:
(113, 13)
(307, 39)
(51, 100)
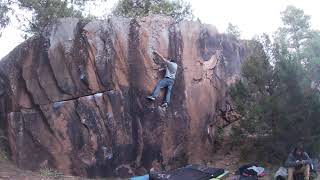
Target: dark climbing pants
(166, 82)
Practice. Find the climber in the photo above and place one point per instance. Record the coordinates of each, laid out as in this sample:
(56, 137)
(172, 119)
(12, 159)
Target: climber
(298, 162)
(168, 81)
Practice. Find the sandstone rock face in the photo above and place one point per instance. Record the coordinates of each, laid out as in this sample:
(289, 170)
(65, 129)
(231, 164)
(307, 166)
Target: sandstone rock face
(74, 99)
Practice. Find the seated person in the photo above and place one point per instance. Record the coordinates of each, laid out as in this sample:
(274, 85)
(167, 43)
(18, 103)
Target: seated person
(298, 162)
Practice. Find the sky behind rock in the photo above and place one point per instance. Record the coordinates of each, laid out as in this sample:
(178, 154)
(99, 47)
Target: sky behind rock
(253, 17)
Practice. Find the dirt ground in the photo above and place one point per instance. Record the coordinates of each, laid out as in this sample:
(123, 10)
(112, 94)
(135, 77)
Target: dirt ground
(9, 171)
(230, 161)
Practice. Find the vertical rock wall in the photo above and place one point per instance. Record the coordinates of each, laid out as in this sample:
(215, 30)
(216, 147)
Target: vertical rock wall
(74, 99)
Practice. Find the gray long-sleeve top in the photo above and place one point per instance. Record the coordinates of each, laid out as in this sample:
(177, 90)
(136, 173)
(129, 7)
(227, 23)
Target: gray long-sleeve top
(293, 161)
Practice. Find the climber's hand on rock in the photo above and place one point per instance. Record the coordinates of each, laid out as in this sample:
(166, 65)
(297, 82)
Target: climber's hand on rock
(155, 53)
(159, 55)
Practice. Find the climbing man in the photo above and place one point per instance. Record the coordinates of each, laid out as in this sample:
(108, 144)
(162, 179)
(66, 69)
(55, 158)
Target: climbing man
(168, 81)
(298, 162)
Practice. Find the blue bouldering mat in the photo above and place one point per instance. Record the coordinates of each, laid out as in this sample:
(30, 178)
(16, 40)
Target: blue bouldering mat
(145, 177)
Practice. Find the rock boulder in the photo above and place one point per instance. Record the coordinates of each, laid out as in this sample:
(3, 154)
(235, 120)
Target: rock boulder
(74, 98)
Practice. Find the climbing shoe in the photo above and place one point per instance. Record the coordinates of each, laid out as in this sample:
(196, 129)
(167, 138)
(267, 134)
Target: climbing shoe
(165, 105)
(151, 98)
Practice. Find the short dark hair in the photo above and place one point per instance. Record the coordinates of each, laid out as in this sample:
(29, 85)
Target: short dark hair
(172, 60)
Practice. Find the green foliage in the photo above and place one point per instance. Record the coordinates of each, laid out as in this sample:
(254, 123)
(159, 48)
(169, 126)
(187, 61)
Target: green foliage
(178, 9)
(311, 54)
(3, 156)
(237, 136)
(4, 10)
(278, 106)
(51, 173)
(44, 12)
(3, 145)
(219, 137)
(296, 29)
(233, 31)
(276, 97)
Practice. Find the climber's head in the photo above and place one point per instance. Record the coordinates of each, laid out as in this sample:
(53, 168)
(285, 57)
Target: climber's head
(171, 59)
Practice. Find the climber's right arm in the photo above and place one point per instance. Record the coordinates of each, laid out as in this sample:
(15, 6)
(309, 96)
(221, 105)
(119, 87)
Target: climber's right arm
(160, 56)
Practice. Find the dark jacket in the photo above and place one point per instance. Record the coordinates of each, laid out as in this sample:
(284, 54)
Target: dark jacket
(293, 159)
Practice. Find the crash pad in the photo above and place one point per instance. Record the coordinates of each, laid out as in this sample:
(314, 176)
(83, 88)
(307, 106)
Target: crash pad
(190, 172)
(145, 177)
(222, 176)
